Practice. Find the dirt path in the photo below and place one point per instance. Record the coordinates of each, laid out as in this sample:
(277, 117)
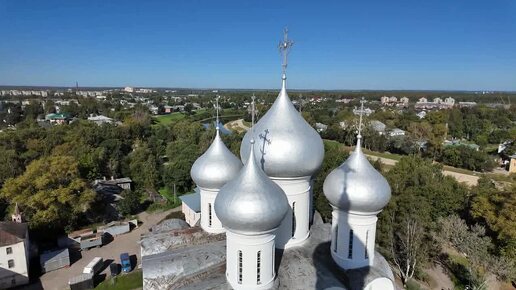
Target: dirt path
(124, 243)
(439, 279)
(237, 125)
(470, 180)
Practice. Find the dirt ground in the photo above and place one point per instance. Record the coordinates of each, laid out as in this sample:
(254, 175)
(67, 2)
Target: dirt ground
(111, 252)
(237, 125)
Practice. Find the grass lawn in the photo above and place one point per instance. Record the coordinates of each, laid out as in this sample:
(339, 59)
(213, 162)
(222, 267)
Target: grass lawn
(172, 202)
(460, 170)
(129, 281)
(387, 155)
(167, 119)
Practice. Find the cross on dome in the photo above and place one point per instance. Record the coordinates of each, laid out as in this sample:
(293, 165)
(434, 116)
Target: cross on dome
(284, 48)
(253, 112)
(361, 113)
(217, 110)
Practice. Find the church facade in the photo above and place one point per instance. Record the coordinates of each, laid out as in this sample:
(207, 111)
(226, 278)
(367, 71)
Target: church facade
(265, 205)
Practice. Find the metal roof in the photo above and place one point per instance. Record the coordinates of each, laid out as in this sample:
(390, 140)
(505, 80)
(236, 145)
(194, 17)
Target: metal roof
(192, 200)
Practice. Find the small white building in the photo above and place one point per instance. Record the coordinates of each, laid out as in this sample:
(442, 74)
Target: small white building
(14, 254)
(438, 100)
(191, 207)
(366, 111)
(378, 127)
(100, 119)
(396, 132)
(129, 89)
(450, 101)
(421, 114)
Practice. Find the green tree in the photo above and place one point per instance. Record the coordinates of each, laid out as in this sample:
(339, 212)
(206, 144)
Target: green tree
(143, 166)
(496, 209)
(131, 202)
(10, 164)
(50, 192)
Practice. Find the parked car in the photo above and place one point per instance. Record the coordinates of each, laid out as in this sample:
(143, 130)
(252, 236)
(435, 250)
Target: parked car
(125, 261)
(114, 268)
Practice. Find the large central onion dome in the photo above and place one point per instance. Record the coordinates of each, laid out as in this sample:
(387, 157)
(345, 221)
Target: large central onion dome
(251, 203)
(216, 166)
(287, 146)
(356, 186)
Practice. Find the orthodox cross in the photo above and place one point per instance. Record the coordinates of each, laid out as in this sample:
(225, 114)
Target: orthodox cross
(217, 110)
(264, 137)
(252, 112)
(362, 101)
(284, 48)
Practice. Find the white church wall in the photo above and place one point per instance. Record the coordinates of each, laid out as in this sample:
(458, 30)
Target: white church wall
(246, 265)
(209, 222)
(298, 195)
(353, 239)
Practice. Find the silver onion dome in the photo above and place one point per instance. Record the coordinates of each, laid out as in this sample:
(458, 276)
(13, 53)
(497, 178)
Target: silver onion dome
(287, 146)
(356, 185)
(216, 166)
(251, 203)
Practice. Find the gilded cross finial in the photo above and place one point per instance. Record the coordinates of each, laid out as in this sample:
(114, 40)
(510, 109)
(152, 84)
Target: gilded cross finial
(284, 48)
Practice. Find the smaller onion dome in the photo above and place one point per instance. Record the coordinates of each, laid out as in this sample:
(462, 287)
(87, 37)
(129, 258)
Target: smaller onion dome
(356, 185)
(251, 203)
(216, 166)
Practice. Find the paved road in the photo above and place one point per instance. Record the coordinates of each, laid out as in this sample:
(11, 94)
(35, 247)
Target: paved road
(470, 180)
(125, 243)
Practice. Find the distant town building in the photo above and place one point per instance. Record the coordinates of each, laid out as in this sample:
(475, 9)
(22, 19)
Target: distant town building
(467, 104)
(168, 109)
(100, 119)
(367, 111)
(145, 91)
(154, 109)
(394, 102)
(123, 183)
(437, 103)
(344, 100)
(456, 142)
(129, 89)
(14, 254)
(378, 127)
(421, 114)
(61, 118)
(320, 127)
(396, 132)
(450, 100)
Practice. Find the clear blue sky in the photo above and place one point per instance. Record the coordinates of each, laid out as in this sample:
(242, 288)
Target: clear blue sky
(361, 44)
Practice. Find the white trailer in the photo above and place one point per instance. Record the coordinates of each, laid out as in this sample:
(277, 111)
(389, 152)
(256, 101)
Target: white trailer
(94, 266)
